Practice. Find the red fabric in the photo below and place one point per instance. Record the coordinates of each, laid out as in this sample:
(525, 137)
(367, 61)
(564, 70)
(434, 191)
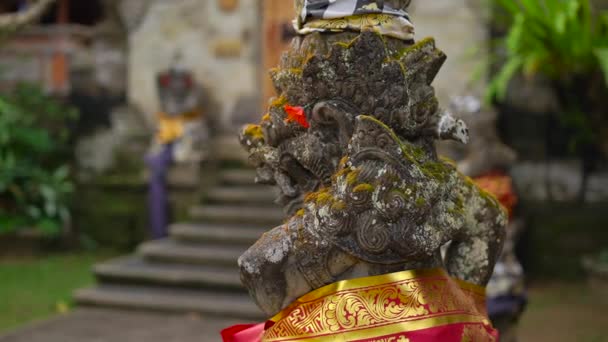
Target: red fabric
(243, 333)
(447, 333)
(500, 185)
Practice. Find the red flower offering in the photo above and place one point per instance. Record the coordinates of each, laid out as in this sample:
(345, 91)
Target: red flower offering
(296, 114)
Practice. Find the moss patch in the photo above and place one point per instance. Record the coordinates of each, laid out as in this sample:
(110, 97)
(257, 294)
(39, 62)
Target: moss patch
(487, 196)
(278, 102)
(435, 170)
(364, 188)
(254, 131)
(352, 177)
(420, 202)
(414, 48)
(347, 44)
(338, 206)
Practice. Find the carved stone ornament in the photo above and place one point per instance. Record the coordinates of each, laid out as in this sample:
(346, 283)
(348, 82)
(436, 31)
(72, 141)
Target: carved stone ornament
(350, 144)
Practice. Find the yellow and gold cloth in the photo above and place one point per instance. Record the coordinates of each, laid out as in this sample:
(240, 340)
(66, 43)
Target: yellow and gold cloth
(172, 127)
(409, 306)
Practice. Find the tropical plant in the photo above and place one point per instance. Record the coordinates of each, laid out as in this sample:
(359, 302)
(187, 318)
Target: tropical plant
(566, 42)
(34, 172)
(557, 38)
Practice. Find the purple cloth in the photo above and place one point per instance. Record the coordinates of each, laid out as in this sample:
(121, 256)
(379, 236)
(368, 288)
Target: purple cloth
(158, 199)
(506, 305)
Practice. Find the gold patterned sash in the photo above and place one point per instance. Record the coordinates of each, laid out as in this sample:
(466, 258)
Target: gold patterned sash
(386, 308)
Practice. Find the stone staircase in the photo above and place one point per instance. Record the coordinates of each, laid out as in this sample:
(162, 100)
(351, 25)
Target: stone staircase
(194, 270)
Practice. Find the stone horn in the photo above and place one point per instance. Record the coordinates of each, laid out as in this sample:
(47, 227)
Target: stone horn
(337, 114)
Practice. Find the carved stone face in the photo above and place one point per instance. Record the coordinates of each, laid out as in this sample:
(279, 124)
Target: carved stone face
(177, 92)
(386, 184)
(335, 84)
(301, 161)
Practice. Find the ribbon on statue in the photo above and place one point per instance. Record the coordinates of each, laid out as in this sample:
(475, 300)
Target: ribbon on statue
(244, 333)
(352, 15)
(409, 306)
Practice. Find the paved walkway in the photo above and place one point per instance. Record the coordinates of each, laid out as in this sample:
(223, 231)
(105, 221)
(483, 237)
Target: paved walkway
(106, 325)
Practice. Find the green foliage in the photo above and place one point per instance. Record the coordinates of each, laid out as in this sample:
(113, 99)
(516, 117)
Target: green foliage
(34, 174)
(561, 40)
(556, 38)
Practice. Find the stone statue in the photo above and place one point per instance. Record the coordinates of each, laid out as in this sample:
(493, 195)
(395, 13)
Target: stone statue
(181, 122)
(350, 144)
(181, 136)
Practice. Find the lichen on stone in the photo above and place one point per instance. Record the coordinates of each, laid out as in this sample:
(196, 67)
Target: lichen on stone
(365, 187)
(254, 131)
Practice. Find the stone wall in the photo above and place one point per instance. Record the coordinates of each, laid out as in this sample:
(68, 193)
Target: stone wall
(219, 45)
(460, 29)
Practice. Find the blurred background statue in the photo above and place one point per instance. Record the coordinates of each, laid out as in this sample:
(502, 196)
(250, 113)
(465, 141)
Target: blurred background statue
(180, 138)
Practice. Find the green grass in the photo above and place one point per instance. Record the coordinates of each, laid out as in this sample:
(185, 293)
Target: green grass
(565, 312)
(35, 288)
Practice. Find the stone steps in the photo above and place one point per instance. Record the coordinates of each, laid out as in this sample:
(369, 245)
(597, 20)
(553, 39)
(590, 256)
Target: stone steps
(136, 270)
(171, 299)
(238, 177)
(227, 148)
(239, 195)
(170, 251)
(219, 234)
(195, 269)
(244, 214)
